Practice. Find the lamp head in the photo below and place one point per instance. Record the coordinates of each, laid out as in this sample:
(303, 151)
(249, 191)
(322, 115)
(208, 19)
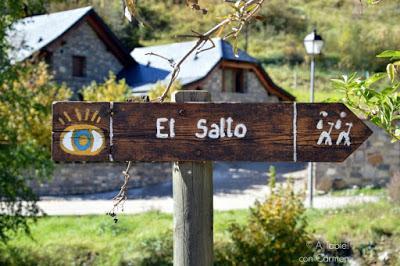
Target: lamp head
(313, 43)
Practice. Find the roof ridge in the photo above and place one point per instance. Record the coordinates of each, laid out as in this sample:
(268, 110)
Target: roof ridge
(89, 8)
(32, 34)
(174, 43)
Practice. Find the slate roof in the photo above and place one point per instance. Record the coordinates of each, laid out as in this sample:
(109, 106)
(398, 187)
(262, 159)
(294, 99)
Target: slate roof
(32, 34)
(151, 69)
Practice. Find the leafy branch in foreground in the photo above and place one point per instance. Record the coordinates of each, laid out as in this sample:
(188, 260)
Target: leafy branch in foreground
(376, 100)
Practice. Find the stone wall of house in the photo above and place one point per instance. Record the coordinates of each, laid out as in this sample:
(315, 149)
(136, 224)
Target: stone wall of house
(87, 178)
(82, 41)
(254, 92)
(373, 163)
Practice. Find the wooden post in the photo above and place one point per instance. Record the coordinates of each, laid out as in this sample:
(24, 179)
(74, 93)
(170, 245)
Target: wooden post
(193, 203)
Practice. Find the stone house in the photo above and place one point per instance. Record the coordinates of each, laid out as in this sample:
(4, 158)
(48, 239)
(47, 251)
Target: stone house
(80, 48)
(218, 70)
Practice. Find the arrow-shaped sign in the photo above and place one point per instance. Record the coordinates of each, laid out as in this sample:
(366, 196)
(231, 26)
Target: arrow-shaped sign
(105, 131)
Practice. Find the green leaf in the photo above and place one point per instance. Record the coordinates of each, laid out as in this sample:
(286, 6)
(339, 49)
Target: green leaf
(369, 94)
(389, 54)
(251, 7)
(389, 90)
(375, 120)
(374, 78)
(338, 81)
(391, 72)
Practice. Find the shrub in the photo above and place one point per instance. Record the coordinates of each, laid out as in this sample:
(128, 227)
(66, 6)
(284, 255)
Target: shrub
(157, 251)
(66, 254)
(275, 233)
(159, 88)
(111, 90)
(394, 188)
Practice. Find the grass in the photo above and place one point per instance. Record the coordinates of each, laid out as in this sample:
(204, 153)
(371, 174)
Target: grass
(358, 224)
(97, 240)
(79, 239)
(82, 238)
(365, 191)
(296, 80)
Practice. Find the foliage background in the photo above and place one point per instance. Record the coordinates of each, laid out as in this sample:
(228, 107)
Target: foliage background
(26, 94)
(111, 90)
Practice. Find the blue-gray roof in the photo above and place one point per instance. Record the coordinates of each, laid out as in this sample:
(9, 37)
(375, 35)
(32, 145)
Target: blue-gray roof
(152, 69)
(31, 34)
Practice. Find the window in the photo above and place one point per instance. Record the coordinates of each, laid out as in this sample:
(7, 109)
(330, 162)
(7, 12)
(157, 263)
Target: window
(79, 66)
(233, 80)
(48, 58)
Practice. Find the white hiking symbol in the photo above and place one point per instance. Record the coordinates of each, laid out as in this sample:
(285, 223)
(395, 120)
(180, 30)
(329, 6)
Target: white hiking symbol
(325, 137)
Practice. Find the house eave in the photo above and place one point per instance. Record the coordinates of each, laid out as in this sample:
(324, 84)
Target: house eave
(104, 33)
(267, 82)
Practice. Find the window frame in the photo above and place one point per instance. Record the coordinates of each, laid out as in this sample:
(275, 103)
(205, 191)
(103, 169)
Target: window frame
(79, 66)
(238, 82)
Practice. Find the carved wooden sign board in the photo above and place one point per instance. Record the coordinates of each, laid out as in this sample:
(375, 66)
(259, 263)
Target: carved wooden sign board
(116, 131)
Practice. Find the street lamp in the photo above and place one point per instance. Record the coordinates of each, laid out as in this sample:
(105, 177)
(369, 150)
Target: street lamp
(313, 44)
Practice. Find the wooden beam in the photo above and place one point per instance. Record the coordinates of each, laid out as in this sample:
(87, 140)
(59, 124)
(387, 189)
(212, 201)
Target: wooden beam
(261, 75)
(193, 203)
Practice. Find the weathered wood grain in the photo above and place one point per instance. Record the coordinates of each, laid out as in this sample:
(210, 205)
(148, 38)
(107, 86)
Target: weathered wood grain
(193, 203)
(308, 116)
(103, 109)
(269, 137)
(276, 131)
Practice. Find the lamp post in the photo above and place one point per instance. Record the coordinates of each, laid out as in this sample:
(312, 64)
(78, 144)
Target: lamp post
(313, 44)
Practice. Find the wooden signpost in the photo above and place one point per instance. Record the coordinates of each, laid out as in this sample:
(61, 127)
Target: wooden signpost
(148, 132)
(193, 133)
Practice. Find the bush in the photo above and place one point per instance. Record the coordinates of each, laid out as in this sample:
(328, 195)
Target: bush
(394, 188)
(159, 88)
(157, 251)
(68, 254)
(111, 90)
(275, 233)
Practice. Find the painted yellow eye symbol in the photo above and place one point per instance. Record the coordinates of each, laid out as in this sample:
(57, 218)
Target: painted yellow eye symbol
(84, 140)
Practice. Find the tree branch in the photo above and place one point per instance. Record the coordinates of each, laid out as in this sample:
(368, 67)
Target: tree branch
(244, 13)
